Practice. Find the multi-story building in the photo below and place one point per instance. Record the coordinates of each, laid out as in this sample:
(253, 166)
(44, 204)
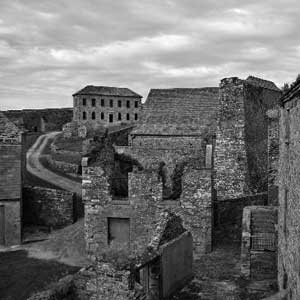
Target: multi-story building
(103, 105)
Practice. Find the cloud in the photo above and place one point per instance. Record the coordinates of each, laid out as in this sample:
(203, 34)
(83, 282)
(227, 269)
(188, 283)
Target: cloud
(50, 49)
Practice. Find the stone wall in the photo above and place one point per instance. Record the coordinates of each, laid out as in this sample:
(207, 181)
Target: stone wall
(273, 155)
(40, 120)
(10, 182)
(103, 281)
(47, 207)
(242, 138)
(289, 194)
(259, 243)
(228, 215)
(62, 166)
(230, 150)
(143, 207)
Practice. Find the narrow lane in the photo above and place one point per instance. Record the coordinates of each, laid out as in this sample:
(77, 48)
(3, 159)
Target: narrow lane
(35, 167)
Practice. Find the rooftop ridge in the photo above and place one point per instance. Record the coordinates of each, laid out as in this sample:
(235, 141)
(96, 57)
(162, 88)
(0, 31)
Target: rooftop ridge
(107, 91)
(267, 84)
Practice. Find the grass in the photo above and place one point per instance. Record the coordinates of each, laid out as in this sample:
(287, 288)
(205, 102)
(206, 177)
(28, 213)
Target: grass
(72, 159)
(21, 276)
(45, 163)
(70, 144)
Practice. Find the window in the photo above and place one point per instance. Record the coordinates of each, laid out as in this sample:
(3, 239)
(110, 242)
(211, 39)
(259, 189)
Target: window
(111, 118)
(93, 115)
(84, 115)
(102, 103)
(102, 116)
(119, 103)
(119, 116)
(136, 104)
(111, 103)
(135, 116)
(84, 102)
(128, 117)
(128, 104)
(93, 102)
(118, 232)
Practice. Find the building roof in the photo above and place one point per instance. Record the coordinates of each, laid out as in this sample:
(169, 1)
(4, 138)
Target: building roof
(292, 93)
(107, 91)
(270, 85)
(178, 111)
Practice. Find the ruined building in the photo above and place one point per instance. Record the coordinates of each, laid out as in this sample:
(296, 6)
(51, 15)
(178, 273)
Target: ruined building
(192, 148)
(102, 105)
(10, 182)
(165, 166)
(40, 120)
(289, 194)
(241, 150)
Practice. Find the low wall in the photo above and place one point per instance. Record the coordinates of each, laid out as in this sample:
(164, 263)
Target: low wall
(56, 150)
(176, 264)
(62, 290)
(102, 281)
(228, 215)
(62, 166)
(47, 207)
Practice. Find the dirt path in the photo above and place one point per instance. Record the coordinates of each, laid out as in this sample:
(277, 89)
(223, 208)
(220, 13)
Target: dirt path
(35, 167)
(218, 277)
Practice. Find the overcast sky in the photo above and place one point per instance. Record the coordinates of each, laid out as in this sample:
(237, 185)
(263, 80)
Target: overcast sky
(49, 49)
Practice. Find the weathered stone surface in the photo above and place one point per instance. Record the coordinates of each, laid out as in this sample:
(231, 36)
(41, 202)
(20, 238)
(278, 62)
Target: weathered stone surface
(228, 215)
(289, 195)
(10, 182)
(273, 155)
(259, 242)
(241, 138)
(48, 207)
(62, 166)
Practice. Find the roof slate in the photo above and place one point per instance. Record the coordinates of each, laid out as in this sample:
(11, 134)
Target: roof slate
(107, 91)
(270, 85)
(178, 111)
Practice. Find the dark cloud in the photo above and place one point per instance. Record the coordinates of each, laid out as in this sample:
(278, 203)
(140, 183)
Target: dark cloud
(50, 49)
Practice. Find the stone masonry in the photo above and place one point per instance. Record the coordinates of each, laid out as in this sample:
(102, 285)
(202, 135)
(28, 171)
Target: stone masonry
(167, 150)
(10, 182)
(289, 194)
(240, 157)
(99, 105)
(273, 155)
(48, 207)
